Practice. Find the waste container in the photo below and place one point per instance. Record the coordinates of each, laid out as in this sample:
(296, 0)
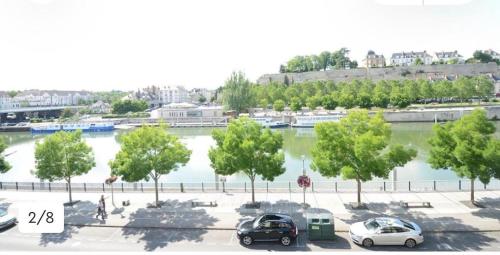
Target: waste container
(320, 226)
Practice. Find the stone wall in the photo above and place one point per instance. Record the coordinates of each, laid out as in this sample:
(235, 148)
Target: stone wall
(387, 73)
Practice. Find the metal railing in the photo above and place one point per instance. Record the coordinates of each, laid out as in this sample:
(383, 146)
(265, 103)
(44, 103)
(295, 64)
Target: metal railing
(269, 187)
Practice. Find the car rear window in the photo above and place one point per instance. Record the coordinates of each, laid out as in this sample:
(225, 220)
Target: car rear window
(2, 213)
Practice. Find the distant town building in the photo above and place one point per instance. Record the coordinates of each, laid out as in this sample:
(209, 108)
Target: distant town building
(374, 60)
(409, 58)
(100, 107)
(196, 95)
(176, 94)
(492, 53)
(39, 98)
(447, 56)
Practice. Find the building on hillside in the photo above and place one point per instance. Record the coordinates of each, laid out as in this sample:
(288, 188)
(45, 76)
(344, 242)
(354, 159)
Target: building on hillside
(492, 53)
(409, 58)
(100, 107)
(374, 60)
(196, 95)
(448, 56)
(39, 98)
(169, 95)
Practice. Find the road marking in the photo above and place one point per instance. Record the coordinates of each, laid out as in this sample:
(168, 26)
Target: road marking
(231, 240)
(76, 244)
(445, 246)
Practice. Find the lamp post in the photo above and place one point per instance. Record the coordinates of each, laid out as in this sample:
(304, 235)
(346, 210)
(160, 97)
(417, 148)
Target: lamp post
(304, 174)
(110, 181)
(304, 181)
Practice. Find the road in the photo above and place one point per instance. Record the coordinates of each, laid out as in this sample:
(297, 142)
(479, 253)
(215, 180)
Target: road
(144, 239)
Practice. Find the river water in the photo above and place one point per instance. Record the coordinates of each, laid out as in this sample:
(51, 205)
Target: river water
(297, 142)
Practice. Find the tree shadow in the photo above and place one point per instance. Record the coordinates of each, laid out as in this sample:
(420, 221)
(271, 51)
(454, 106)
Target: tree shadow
(152, 224)
(491, 209)
(82, 213)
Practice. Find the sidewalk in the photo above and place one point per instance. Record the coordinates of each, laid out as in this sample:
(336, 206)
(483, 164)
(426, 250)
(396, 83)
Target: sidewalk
(447, 212)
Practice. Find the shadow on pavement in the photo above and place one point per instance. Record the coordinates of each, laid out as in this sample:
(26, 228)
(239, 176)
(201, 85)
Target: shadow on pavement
(83, 212)
(144, 222)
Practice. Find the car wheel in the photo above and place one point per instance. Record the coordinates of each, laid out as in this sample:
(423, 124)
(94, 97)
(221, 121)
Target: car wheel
(368, 242)
(247, 240)
(410, 243)
(286, 240)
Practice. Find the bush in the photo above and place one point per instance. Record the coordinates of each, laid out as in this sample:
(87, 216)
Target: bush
(129, 115)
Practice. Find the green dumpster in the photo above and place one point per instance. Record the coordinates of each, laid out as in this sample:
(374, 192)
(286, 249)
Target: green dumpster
(320, 226)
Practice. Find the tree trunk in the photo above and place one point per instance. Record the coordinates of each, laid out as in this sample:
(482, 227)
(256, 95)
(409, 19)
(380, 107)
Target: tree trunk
(359, 191)
(252, 180)
(69, 189)
(472, 191)
(156, 192)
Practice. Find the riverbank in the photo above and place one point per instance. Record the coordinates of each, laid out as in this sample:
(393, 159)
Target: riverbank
(446, 214)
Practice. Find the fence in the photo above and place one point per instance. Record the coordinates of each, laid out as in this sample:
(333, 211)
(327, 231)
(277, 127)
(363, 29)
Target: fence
(292, 187)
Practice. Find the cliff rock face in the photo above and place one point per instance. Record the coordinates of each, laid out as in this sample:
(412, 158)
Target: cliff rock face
(434, 72)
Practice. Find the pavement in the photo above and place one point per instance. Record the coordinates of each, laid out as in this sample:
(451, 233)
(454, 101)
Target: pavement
(447, 214)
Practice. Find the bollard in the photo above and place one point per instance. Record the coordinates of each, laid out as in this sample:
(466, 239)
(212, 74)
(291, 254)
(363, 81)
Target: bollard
(459, 184)
(384, 186)
(202, 187)
(85, 187)
(409, 185)
(122, 187)
(335, 186)
(290, 187)
(33, 186)
(50, 189)
(485, 186)
(103, 187)
(1, 185)
(312, 186)
(182, 187)
(267, 187)
(161, 186)
(245, 187)
(434, 186)
(142, 188)
(17, 188)
(223, 186)
(66, 187)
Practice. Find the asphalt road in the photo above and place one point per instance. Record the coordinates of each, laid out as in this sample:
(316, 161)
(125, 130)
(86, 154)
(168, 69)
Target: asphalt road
(142, 239)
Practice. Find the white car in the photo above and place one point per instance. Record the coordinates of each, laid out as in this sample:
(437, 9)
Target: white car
(386, 231)
(6, 219)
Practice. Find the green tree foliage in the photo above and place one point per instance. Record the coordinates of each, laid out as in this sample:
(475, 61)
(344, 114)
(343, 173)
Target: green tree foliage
(4, 165)
(482, 57)
(202, 99)
(418, 62)
(464, 87)
(13, 93)
(263, 103)
(279, 105)
(237, 93)
(357, 149)
(314, 101)
(126, 106)
(62, 156)
(325, 60)
(467, 147)
(148, 153)
(67, 113)
(246, 147)
(328, 102)
(295, 104)
(109, 96)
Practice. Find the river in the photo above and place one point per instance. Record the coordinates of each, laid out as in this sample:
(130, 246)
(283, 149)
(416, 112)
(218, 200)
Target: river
(297, 142)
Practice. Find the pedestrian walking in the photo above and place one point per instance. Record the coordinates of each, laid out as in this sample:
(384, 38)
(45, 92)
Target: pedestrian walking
(100, 210)
(103, 206)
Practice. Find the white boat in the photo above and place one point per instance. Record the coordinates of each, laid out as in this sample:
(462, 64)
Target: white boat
(310, 120)
(268, 122)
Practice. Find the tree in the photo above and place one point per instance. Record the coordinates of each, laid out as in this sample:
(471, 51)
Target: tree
(426, 90)
(356, 148)
(237, 93)
(295, 104)
(67, 113)
(12, 93)
(418, 62)
(62, 156)
(324, 60)
(328, 102)
(4, 165)
(347, 100)
(263, 103)
(484, 86)
(467, 147)
(126, 106)
(148, 153)
(246, 147)
(313, 102)
(279, 105)
(464, 88)
(482, 57)
(202, 99)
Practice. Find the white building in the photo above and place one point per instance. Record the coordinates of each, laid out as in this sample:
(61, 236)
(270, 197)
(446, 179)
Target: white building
(38, 98)
(176, 94)
(492, 53)
(409, 58)
(187, 110)
(197, 93)
(446, 56)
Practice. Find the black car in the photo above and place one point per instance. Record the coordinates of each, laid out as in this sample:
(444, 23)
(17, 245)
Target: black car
(268, 227)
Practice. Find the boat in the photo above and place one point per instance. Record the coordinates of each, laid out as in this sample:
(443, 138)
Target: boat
(84, 127)
(309, 121)
(269, 123)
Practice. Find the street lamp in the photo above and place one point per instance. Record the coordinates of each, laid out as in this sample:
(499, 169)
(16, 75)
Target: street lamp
(304, 181)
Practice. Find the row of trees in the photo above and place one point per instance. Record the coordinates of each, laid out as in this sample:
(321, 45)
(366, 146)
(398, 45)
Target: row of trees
(355, 148)
(126, 106)
(325, 60)
(239, 94)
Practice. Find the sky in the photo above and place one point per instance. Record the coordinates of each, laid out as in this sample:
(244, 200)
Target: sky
(123, 44)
